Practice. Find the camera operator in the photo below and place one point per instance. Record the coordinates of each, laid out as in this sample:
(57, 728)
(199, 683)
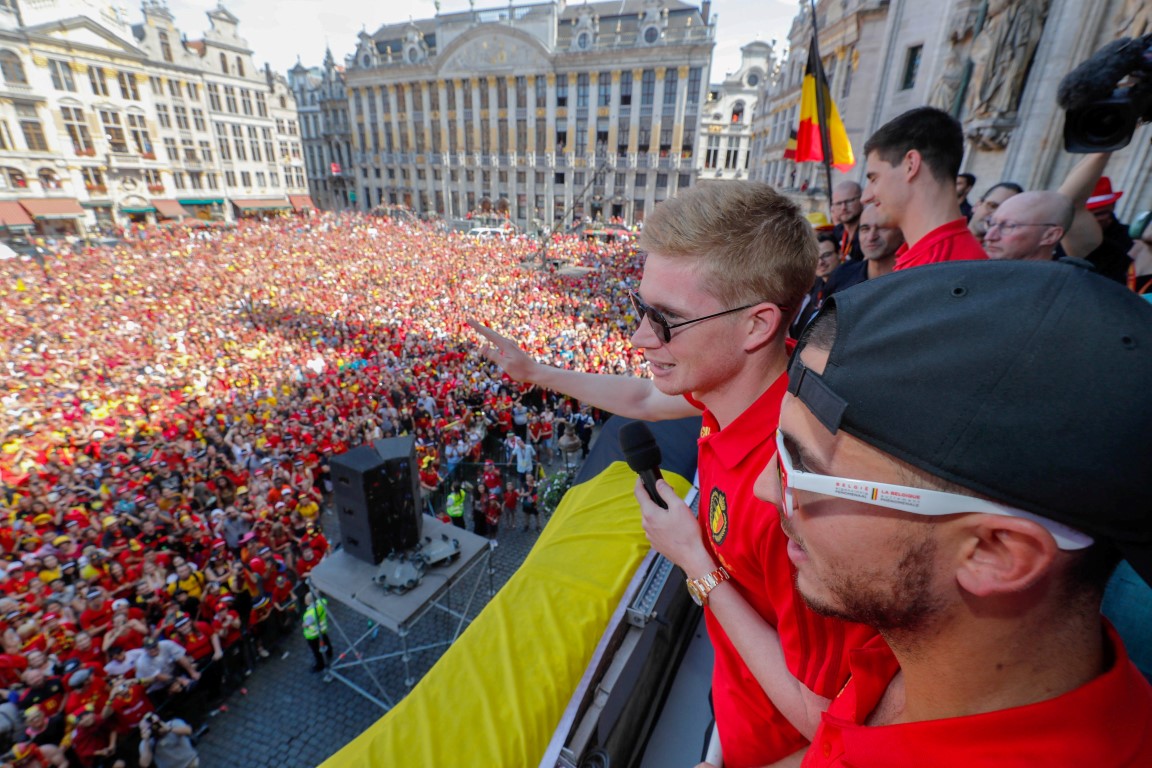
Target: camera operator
(166, 743)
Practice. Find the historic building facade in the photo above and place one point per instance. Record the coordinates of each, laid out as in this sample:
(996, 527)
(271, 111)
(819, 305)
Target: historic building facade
(105, 122)
(994, 64)
(726, 123)
(547, 113)
(322, 102)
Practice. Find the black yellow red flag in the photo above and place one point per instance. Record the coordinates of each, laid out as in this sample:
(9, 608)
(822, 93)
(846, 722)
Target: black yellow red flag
(812, 135)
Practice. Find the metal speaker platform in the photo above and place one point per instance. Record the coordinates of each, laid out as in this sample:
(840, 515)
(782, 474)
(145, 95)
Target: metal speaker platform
(356, 584)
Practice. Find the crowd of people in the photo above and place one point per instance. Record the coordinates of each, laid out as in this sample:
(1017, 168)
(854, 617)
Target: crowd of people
(170, 407)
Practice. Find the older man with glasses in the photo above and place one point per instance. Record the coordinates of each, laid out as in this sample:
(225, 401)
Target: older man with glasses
(1028, 226)
(724, 262)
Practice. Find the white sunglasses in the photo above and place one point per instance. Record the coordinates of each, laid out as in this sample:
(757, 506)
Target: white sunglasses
(917, 501)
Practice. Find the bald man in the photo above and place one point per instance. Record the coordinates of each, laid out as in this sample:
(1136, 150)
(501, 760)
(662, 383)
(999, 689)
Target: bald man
(1028, 226)
(846, 209)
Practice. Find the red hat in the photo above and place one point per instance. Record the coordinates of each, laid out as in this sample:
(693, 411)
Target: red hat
(1102, 194)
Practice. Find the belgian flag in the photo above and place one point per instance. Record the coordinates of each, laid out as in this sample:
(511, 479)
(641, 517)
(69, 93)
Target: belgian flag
(820, 124)
(790, 147)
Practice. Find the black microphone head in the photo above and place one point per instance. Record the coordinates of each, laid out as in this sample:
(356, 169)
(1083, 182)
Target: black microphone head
(1096, 77)
(639, 447)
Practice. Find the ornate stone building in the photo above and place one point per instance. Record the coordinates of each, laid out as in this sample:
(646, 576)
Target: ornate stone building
(107, 122)
(995, 64)
(726, 123)
(322, 102)
(547, 112)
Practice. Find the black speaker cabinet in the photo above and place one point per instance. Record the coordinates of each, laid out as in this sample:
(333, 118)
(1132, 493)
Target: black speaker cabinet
(376, 491)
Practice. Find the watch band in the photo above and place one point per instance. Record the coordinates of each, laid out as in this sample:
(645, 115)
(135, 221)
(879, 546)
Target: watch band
(699, 588)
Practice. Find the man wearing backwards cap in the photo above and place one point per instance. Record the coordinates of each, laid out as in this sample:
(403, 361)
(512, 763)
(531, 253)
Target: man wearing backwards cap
(936, 483)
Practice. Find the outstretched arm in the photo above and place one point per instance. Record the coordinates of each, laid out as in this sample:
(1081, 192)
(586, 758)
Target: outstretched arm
(628, 396)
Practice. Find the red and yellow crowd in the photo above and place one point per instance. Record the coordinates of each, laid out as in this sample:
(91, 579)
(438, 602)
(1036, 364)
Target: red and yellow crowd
(170, 406)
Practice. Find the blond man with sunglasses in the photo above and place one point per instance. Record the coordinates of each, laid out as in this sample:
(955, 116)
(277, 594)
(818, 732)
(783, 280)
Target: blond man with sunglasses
(726, 265)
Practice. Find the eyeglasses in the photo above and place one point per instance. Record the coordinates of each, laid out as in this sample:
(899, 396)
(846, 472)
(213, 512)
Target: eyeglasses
(662, 326)
(1008, 227)
(847, 201)
(918, 501)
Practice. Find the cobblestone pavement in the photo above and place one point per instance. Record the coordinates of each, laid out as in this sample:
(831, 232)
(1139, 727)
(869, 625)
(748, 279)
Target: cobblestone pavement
(288, 717)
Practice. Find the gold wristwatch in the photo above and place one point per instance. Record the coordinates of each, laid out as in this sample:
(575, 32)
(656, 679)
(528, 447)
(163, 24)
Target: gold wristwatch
(699, 588)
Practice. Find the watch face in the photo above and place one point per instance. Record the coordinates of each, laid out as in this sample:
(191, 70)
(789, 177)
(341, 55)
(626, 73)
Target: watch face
(694, 591)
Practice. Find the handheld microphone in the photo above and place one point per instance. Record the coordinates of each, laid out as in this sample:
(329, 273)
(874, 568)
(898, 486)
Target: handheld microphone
(643, 456)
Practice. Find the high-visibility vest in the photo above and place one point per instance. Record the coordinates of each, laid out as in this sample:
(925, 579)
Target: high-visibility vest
(315, 619)
(455, 506)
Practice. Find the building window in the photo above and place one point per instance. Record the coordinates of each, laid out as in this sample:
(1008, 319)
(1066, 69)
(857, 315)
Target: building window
(30, 126)
(6, 136)
(561, 90)
(261, 105)
(712, 153)
(178, 180)
(213, 97)
(181, 114)
(694, 75)
(246, 101)
(245, 179)
(206, 151)
(12, 69)
(230, 178)
(541, 91)
(198, 119)
(193, 91)
(189, 149)
(222, 142)
(76, 124)
(154, 84)
(61, 75)
(165, 47)
(230, 99)
(738, 112)
(238, 141)
(240, 66)
(163, 115)
(254, 143)
(732, 153)
(626, 88)
(671, 81)
(153, 179)
(170, 149)
(603, 89)
(647, 87)
(97, 81)
(139, 131)
(911, 67)
(223, 63)
(93, 179)
(128, 88)
(582, 90)
(174, 89)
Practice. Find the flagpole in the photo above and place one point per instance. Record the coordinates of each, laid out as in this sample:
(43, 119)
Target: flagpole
(822, 109)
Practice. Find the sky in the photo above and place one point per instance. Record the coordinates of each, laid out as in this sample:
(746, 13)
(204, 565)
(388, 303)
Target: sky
(279, 31)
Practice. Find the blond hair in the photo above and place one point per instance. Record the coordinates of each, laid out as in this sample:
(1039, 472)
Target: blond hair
(751, 243)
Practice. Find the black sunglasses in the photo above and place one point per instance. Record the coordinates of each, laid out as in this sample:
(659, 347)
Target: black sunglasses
(662, 326)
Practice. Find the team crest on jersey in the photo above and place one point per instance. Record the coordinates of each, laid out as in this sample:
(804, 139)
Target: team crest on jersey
(705, 431)
(718, 516)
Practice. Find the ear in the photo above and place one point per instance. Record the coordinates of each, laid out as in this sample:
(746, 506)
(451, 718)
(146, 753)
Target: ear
(1004, 555)
(767, 322)
(1052, 235)
(912, 164)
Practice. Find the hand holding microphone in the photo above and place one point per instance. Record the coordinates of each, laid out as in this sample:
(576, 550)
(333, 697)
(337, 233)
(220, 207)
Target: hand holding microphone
(643, 456)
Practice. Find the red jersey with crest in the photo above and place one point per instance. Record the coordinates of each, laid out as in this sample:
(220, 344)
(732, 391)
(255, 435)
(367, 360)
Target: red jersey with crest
(744, 535)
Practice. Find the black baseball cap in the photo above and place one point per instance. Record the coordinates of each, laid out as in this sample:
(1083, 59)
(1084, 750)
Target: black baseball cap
(1026, 382)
